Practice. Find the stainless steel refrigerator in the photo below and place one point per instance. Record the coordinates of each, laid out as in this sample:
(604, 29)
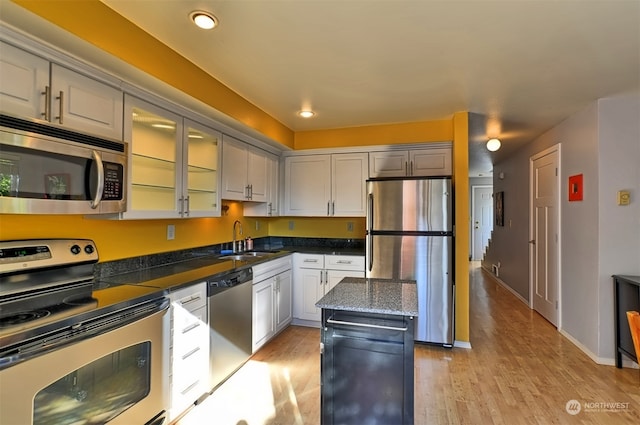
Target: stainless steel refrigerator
(410, 236)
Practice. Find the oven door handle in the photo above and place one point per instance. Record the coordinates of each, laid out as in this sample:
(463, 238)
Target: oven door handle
(100, 186)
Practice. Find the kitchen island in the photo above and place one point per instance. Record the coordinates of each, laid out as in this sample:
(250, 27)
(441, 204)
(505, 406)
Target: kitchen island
(367, 351)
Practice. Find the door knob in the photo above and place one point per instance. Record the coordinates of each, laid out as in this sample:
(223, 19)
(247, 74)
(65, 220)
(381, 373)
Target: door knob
(532, 241)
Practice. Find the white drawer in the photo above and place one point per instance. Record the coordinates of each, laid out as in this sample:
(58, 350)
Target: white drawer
(344, 262)
(271, 268)
(192, 297)
(190, 328)
(309, 261)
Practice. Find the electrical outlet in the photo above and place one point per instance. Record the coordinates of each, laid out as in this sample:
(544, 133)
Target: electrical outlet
(171, 232)
(350, 226)
(290, 224)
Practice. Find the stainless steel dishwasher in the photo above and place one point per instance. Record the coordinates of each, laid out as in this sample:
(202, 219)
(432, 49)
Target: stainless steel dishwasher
(230, 313)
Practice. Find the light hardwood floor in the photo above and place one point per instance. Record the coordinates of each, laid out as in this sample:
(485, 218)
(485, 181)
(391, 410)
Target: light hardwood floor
(520, 370)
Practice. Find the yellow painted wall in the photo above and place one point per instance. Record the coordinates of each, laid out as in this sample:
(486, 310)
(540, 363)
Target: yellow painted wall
(310, 227)
(461, 191)
(388, 134)
(131, 238)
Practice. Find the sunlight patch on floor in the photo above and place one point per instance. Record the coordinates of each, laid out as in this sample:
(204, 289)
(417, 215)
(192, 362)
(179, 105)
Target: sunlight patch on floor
(244, 399)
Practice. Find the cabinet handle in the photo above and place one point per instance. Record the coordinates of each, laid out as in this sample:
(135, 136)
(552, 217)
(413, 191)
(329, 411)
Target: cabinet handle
(60, 117)
(190, 327)
(366, 325)
(309, 260)
(186, 210)
(333, 208)
(191, 353)
(411, 169)
(47, 103)
(270, 209)
(344, 261)
(328, 206)
(406, 168)
(190, 300)
(190, 387)
(250, 191)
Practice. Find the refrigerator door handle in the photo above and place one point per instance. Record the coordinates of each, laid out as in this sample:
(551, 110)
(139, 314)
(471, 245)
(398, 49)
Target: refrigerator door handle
(369, 243)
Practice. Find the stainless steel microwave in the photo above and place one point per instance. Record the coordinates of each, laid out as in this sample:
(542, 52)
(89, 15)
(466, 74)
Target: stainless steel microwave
(46, 169)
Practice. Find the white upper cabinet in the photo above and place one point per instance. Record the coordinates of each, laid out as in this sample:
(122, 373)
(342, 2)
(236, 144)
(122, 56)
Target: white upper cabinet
(414, 162)
(245, 172)
(326, 185)
(270, 208)
(173, 165)
(32, 87)
(201, 154)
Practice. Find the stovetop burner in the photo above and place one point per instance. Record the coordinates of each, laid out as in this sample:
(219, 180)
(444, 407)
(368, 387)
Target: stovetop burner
(22, 317)
(15, 322)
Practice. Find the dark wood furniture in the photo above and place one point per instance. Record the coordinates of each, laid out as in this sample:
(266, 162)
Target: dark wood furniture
(626, 291)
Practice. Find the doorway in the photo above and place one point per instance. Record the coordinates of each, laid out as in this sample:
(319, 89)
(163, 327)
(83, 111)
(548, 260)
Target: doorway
(544, 234)
(482, 219)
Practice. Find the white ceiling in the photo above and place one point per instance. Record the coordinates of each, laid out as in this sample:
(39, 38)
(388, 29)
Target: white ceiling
(519, 66)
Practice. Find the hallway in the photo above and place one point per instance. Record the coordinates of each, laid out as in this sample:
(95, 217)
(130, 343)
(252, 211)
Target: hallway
(520, 370)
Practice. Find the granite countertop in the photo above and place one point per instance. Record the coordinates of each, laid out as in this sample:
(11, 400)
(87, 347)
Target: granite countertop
(383, 296)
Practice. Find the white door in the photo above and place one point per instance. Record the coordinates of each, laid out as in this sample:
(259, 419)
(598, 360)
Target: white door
(544, 233)
(85, 104)
(482, 207)
(234, 169)
(348, 184)
(307, 189)
(24, 78)
(257, 176)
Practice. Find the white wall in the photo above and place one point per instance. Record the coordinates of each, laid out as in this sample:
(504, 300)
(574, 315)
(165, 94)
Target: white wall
(619, 226)
(598, 238)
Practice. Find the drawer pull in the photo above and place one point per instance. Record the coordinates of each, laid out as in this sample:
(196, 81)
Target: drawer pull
(190, 300)
(190, 327)
(190, 387)
(191, 353)
(344, 261)
(307, 260)
(366, 325)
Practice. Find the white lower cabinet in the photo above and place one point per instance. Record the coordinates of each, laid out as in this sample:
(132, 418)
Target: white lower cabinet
(316, 274)
(189, 347)
(272, 299)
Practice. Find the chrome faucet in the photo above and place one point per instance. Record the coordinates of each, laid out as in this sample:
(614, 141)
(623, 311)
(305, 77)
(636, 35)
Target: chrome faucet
(239, 247)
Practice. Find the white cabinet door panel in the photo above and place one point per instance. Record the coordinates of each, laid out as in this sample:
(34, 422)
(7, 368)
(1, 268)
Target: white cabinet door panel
(308, 185)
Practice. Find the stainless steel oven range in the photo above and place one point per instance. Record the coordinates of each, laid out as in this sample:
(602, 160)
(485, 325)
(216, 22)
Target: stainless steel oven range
(71, 353)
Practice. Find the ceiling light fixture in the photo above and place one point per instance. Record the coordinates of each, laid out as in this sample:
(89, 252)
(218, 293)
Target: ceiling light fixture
(306, 114)
(493, 145)
(204, 20)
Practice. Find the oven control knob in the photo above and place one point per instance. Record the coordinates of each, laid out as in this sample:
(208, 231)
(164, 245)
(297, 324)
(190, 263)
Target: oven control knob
(89, 249)
(75, 249)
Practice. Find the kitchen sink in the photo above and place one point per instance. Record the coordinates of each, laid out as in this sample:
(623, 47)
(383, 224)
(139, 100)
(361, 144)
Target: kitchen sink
(245, 256)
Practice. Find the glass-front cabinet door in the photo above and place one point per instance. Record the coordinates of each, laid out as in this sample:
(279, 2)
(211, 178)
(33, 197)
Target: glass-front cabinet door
(201, 150)
(174, 164)
(155, 140)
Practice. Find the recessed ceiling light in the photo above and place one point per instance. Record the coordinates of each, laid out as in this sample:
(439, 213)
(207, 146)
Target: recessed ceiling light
(204, 20)
(493, 145)
(306, 114)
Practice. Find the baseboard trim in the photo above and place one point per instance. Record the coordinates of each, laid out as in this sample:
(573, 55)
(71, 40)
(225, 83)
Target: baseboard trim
(462, 344)
(505, 286)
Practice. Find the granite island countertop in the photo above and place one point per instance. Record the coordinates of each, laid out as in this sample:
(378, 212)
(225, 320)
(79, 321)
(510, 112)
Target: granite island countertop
(383, 296)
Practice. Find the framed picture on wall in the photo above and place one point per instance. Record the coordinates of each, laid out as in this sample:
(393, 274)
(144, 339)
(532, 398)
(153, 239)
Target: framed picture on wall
(499, 208)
